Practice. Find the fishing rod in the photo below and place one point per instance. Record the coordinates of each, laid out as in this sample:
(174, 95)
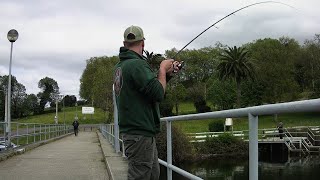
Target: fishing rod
(233, 13)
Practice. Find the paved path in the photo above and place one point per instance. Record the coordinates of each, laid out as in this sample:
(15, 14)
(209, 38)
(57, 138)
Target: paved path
(74, 157)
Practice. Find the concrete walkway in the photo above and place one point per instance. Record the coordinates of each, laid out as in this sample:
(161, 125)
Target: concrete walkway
(73, 157)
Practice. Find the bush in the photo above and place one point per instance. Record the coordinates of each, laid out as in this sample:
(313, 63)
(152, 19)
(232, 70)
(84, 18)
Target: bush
(182, 149)
(216, 126)
(166, 106)
(225, 144)
(201, 105)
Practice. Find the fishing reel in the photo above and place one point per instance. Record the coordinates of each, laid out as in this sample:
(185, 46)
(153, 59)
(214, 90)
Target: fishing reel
(180, 66)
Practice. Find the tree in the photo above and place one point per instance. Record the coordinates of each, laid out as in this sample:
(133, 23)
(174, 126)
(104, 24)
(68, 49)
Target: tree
(69, 100)
(235, 64)
(49, 91)
(18, 96)
(31, 104)
(96, 82)
(222, 94)
(274, 61)
(179, 94)
(154, 60)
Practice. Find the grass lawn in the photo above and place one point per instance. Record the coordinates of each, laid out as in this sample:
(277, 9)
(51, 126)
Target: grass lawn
(70, 113)
(289, 120)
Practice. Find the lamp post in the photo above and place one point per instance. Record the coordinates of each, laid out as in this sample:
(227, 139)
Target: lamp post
(76, 111)
(5, 112)
(12, 37)
(57, 102)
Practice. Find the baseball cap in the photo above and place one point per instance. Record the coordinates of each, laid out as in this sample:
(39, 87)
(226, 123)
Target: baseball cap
(133, 33)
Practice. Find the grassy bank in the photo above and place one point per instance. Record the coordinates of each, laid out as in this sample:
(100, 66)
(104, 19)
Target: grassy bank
(66, 115)
(289, 120)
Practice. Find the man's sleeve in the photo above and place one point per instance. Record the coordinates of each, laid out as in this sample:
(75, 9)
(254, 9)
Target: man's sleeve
(146, 82)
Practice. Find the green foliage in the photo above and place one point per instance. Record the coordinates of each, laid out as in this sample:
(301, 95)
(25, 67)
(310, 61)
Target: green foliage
(224, 144)
(179, 141)
(201, 105)
(154, 60)
(275, 61)
(96, 82)
(252, 93)
(65, 114)
(49, 91)
(18, 96)
(166, 105)
(216, 126)
(235, 64)
(222, 94)
(199, 64)
(179, 93)
(69, 100)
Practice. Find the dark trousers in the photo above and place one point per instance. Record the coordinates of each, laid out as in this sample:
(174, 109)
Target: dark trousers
(75, 131)
(281, 133)
(142, 157)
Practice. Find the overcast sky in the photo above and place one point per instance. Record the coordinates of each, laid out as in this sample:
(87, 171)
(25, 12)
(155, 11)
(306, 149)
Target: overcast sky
(56, 37)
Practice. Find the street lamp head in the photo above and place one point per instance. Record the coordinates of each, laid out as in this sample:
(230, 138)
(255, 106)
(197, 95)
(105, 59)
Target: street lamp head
(13, 35)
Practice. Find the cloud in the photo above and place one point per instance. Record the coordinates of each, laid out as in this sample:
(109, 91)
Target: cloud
(56, 37)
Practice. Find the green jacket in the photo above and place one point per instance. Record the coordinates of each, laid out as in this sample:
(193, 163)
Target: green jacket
(138, 93)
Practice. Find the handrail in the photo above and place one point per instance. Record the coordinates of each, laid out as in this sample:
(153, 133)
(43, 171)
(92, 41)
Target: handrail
(251, 112)
(178, 170)
(25, 131)
(270, 109)
(305, 145)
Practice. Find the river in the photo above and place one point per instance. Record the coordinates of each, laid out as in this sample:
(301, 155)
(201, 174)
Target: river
(294, 168)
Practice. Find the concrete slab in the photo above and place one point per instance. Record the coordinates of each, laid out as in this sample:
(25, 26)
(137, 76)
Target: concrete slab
(73, 157)
(116, 164)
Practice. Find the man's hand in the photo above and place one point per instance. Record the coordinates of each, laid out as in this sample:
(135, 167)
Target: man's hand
(169, 66)
(166, 67)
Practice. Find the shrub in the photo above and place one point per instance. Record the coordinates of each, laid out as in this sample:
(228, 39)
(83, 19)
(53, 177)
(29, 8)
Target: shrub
(182, 149)
(216, 126)
(166, 106)
(201, 105)
(225, 144)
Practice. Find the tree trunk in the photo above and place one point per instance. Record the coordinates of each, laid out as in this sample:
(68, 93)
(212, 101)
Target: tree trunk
(238, 94)
(205, 91)
(177, 108)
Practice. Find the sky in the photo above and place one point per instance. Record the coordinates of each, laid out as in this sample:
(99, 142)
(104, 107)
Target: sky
(56, 37)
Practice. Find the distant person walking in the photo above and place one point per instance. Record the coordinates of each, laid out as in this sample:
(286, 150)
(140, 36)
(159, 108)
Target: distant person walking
(75, 127)
(280, 129)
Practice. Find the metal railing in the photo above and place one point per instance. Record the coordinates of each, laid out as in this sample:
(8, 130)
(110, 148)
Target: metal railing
(315, 138)
(107, 130)
(28, 133)
(251, 112)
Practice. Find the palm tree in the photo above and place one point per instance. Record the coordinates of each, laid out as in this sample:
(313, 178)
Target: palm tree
(235, 64)
(154, 60)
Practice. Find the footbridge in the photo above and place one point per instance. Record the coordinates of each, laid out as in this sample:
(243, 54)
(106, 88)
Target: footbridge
(43, 151)
(99, 155)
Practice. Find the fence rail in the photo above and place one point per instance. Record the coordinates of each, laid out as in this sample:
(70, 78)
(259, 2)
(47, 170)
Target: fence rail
(28, 133)
(251, 112)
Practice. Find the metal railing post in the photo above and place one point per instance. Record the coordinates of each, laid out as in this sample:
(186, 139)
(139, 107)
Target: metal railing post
(49, 131)
(116, 126)
(17, 135)
(169, 150)
(34, 133)
(45, 132)
(40, 133)
(253, 147)
(27, 133)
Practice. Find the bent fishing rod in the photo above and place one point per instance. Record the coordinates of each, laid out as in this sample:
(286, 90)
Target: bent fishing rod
(180, 65)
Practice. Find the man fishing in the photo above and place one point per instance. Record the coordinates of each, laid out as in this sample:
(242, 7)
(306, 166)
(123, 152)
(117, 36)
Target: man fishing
(138, 93)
